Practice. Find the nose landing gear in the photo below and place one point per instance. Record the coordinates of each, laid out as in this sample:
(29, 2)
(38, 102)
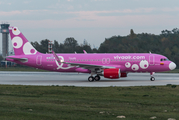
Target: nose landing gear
(152, 77)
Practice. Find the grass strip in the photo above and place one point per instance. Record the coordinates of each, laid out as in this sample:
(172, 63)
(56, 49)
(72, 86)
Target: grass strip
(88, 103)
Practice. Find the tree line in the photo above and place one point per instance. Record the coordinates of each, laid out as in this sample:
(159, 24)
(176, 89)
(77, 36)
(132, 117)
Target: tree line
(167, 43)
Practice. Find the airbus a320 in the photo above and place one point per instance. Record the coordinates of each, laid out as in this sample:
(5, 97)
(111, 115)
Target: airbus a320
(112, 66)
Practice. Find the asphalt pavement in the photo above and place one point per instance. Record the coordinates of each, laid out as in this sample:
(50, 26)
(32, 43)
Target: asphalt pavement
(75, 79)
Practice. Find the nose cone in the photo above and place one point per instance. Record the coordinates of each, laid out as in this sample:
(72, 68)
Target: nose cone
(172, 65)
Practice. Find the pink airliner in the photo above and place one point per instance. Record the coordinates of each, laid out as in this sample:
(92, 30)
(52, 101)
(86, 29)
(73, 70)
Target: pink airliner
(112, 66)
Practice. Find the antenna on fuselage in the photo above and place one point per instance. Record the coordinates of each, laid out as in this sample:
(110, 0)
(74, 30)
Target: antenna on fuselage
(150, 52)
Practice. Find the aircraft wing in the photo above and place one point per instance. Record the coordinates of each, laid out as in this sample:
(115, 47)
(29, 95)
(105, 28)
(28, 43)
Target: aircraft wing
(91, 67)
(88, 66)
(56, 57)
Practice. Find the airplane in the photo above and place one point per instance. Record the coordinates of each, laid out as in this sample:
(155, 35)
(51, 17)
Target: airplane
(112, 66)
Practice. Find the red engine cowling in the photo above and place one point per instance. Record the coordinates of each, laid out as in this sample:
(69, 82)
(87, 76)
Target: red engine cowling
(113, 73)
(123, 74)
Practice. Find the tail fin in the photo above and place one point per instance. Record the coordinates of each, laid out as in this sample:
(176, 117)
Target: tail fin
(20, 44)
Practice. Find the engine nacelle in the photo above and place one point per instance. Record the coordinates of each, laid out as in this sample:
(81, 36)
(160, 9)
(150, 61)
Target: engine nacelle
(123, 74)
(113, 73)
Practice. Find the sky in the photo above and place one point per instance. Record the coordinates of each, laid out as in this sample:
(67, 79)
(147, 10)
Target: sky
(92, 20)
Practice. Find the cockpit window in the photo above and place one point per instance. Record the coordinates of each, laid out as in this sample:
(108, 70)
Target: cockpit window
(164, 59)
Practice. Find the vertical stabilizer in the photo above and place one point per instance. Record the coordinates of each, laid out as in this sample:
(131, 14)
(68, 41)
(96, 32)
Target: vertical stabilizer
(20, 44)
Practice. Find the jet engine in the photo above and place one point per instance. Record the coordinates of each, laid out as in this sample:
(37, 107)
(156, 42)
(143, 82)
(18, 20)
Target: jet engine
(113, 73)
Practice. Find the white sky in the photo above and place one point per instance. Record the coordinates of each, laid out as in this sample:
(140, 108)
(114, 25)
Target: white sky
(93, 20)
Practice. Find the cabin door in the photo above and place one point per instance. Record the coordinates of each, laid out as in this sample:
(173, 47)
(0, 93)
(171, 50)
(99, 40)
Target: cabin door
(39, 60)
(151, 60)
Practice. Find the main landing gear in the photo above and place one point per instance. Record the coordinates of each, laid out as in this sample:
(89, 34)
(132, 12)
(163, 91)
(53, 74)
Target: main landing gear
(152, 77)
(96, 78)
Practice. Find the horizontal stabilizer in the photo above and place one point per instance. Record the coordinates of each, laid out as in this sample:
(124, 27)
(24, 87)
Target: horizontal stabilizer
(19, 59)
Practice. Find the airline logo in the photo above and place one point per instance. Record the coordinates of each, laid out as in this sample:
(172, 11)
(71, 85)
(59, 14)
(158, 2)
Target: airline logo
(60, 66)
(20, 43)
(130, 57)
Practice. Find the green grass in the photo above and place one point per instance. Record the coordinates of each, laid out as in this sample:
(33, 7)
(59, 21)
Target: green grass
(83, 103)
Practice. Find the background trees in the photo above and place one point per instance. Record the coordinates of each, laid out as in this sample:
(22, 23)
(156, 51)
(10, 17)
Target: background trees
(167, 43)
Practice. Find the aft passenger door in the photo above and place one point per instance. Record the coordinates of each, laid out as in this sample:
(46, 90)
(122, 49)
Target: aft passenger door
(39, 60)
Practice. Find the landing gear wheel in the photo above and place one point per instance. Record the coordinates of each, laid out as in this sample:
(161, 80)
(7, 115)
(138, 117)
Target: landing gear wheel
(97, 78)
(152, 79)
(91, 79)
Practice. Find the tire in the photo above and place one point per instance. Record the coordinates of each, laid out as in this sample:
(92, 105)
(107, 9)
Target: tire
(97, 78)
(152, 79)
(91, 79)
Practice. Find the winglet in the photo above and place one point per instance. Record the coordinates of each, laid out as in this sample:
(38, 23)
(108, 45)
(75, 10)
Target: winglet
(57, 58)
(84, 52)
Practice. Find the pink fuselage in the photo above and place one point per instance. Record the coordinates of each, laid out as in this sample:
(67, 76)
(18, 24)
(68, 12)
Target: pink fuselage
(126, 62)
